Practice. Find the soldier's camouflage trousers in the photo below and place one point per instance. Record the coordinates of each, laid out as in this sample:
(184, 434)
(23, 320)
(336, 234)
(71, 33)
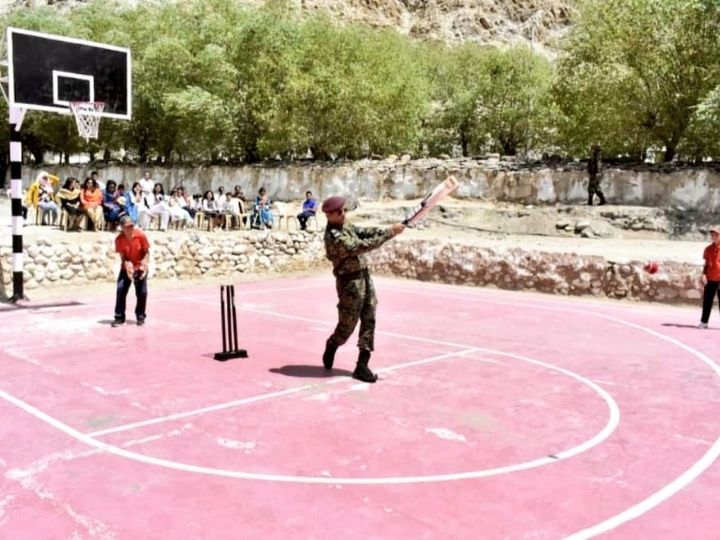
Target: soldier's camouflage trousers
(357, 300)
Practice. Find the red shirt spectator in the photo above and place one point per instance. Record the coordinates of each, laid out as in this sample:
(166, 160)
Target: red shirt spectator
(712, 260)
(132, 249)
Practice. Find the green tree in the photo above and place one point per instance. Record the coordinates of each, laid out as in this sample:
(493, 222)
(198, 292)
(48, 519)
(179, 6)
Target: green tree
(350, 91)
(514, 99)
(632, 72)
(456, 79)
(487, 98)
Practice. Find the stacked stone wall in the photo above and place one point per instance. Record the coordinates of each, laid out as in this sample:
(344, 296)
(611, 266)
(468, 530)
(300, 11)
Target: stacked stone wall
(553, 273)
(198, 255)
(49, 264)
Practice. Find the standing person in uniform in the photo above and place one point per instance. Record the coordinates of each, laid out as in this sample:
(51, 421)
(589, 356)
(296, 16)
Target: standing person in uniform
(133, 247)
(595, 174)
(345, 245)
(711, 276)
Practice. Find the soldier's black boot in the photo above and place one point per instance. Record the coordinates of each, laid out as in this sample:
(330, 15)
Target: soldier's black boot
(362, 371)
(602, 198)
(329, 355)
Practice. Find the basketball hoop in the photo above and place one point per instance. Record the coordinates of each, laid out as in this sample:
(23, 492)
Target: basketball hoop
(87, 117)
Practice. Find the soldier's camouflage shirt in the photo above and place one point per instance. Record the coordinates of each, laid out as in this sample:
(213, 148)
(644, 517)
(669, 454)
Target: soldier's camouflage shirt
(345, 245)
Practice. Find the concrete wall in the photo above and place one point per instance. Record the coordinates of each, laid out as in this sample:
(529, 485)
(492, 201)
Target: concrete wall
(493, 179)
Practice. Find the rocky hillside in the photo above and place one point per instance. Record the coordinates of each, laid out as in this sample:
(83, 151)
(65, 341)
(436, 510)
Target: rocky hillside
(453, 21)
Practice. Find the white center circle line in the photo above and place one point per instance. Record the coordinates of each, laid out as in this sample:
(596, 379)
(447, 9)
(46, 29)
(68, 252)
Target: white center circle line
(604, 433)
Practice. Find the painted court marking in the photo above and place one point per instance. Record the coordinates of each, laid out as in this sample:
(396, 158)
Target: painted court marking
(611, 523)
(676, 485)
(90, 439)
(653, 500)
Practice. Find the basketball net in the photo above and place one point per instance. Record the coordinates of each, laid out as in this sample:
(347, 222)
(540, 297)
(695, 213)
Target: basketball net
(87, 117)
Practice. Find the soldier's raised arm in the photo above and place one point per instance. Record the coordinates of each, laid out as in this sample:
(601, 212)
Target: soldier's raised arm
(355, 245)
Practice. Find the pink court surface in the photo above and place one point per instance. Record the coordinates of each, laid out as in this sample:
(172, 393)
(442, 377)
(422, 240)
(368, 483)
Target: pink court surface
(498, 415)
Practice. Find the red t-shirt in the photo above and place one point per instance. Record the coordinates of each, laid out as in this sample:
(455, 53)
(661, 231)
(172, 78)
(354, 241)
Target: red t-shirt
(712, 262)
(134, 249)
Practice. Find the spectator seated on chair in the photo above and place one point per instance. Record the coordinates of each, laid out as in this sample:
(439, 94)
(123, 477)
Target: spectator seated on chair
(69, 197)
(235, 209)
(177, 213)
(111, 208)
(92, 198)
(186, 202)
(262, 211)
(211, 210)
(238, 193)
(309, 208)
(134, 201)
(41, 196)
(220, 196)
(158, 207)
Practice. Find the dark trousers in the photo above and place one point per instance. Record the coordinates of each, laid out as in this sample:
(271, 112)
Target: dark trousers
(302, 219)
(711, 289)
(594, 189)
(123, 286)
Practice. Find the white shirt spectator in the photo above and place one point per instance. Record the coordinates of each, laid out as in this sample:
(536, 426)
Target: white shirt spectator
(147, 184)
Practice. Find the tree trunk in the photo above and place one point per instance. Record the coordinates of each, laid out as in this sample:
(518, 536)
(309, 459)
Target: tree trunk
(464, 143)
(143, 150)
(251, 154)
(4, 161)
(509, 148)
(670, 150)
(318, 154)
(37, 153)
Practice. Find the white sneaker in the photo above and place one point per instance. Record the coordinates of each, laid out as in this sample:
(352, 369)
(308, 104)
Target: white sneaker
(702, 326)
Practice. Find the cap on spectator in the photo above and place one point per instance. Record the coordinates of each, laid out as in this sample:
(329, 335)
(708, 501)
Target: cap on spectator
(333, 204)
(715, 229)
(125, 221)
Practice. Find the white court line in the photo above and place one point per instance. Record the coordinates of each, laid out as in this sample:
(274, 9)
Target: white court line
(260, 397)
(611, 523)
(611, 425)
(680, 482)
(655, 499)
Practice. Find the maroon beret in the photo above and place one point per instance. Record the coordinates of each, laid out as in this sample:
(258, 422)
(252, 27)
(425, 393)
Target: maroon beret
(333, 204)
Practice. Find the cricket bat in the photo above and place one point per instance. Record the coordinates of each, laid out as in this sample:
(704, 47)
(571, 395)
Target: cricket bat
(442, 190)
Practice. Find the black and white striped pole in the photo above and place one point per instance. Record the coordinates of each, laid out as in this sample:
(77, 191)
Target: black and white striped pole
(16, 117)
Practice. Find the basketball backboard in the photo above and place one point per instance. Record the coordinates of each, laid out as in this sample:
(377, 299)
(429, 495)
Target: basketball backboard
(47, 72)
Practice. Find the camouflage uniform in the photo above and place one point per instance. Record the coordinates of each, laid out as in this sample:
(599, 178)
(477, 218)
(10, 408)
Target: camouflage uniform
(345, 246)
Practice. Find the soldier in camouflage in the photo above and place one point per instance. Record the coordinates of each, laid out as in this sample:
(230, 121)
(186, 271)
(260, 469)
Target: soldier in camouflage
(345, 245)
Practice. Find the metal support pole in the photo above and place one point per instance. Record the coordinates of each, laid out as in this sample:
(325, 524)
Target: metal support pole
(16, 118)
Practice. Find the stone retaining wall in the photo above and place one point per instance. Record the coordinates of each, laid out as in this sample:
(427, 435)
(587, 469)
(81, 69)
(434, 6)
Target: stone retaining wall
(58, 264)
(49, 264)
(554, 273)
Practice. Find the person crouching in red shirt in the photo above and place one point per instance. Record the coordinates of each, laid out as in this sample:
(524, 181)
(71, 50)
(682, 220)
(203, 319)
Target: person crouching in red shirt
(711, 276)
(134, 249)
